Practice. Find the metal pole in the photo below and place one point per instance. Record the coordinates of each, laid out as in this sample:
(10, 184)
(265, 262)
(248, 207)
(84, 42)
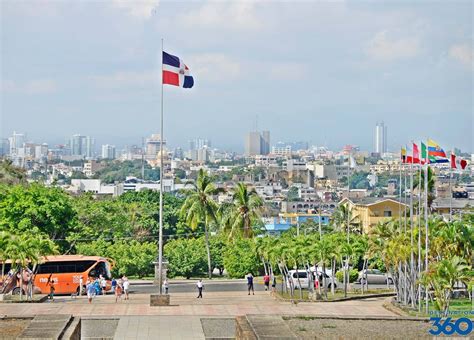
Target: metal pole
(426, 226)
(450, 192)
(419, 234)
(160, 242)
(412, 256)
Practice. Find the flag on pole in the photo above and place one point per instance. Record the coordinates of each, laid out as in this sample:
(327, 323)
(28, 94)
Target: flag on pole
(457, 162)
(424, 154)
(435, 153)
(416, 154)
(403, 155)
(175, 72)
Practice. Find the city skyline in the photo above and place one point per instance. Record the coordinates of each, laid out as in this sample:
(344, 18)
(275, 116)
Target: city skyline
(343, 67)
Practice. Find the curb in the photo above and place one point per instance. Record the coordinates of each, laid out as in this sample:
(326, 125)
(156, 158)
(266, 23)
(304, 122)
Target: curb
(346, 317)
(361, 297)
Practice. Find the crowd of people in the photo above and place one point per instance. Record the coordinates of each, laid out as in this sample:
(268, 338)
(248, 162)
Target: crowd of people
(98, 286)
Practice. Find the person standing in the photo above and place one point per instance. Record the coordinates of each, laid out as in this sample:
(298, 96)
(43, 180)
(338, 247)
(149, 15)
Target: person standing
(118, 291)
(126, 286)
(113, 285)
(81, 284)
(250, 283)
(165, 286)
(51, 287)
(199, 286)
(266, 282)
(103, 286)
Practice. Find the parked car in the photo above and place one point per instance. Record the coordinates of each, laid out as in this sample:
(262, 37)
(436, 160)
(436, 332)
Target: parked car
(304, 279)
(374, 276)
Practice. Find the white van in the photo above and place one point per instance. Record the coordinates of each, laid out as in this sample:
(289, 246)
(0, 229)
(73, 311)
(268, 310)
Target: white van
(304, 280)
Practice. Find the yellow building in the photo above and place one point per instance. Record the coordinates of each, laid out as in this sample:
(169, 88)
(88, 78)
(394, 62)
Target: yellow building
(371, 210)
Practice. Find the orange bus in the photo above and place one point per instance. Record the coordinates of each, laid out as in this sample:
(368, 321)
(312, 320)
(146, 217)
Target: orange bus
(65, 272)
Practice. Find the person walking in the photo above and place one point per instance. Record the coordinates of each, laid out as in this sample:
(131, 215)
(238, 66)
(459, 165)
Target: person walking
(250, 283)
(126, 286)
(91, 291)
(165, 286)
(274, 284)
(266, 282)
(199, 286)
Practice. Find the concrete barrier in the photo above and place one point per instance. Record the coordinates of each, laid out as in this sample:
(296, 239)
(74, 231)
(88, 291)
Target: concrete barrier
(159, 300)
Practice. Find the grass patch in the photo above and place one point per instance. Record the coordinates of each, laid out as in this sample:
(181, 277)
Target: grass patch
(338, 294)
(456, 306)
(329, 326)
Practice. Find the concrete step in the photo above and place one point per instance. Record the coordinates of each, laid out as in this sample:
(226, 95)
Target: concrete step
(49, 326)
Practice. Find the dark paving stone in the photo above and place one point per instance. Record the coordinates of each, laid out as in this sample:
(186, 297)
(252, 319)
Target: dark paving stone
(98, 328)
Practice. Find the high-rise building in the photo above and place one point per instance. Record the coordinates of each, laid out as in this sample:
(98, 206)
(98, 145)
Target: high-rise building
(83, 146)
(380, 145)
(16, 142)
(199, 143)
(257, 143)
(76, 145)
(153, 146)
(108, 151)
(89, 147)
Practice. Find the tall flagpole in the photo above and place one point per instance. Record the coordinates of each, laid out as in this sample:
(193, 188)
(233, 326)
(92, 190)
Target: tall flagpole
(160, 242)
(419, 226)
(426, 225)
(412, 259)
(450, 188)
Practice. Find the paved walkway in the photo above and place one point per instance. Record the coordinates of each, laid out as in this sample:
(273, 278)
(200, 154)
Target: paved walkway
(185, 304)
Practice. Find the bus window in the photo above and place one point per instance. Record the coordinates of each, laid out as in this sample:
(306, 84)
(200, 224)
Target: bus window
(101, 269)
(58, 267)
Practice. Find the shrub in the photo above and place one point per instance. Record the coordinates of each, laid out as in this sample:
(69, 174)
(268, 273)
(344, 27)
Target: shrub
(186, 257)
(353, 275)
(240, 258)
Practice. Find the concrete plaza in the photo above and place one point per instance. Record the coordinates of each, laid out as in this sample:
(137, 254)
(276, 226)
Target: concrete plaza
(186, 316)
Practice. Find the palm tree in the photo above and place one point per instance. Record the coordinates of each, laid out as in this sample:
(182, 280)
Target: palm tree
(245, 214)
(199, 208)
(342, 215)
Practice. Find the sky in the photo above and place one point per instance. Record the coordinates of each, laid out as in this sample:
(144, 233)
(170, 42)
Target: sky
(316, 71)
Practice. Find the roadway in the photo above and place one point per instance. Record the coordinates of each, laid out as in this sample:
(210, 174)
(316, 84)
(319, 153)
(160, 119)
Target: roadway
(215, 286)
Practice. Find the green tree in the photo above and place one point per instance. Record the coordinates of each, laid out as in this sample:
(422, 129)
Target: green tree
(50, 210)
(240, 258)
(186, 257)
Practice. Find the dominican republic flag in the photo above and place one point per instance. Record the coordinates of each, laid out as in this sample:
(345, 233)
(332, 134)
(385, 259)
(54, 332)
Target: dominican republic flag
(175, 72)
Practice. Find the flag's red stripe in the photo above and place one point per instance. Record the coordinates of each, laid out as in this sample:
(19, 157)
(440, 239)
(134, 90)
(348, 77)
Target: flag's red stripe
(170, 78)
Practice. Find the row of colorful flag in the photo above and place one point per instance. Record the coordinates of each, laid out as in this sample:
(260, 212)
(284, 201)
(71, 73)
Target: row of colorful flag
(431, 153)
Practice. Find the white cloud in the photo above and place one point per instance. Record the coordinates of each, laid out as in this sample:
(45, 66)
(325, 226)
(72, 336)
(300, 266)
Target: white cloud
(462, 53)
(382, 48)
(37, 86)
(127, 79)
(137, 8)
(239, 15)
(214, 67)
